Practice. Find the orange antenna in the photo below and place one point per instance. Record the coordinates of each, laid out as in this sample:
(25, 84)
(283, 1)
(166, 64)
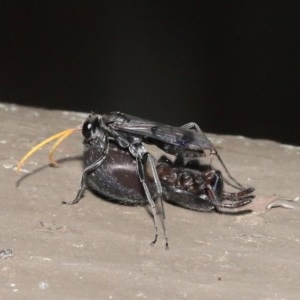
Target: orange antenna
(58, 136)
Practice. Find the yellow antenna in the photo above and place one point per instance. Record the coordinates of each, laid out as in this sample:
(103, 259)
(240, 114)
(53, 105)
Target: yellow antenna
(58, 136)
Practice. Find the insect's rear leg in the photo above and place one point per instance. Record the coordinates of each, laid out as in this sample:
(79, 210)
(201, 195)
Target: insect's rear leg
(195, 127)
(142, 156)
(160, 194)
(141, 173)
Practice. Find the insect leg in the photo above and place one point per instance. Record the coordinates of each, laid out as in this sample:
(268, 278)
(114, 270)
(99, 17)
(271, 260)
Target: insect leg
(141, 155)
(192, 125)
(237, 204)
(233, 204)
(160, 193)
(141, 173)
(242, 195)
(85, 172)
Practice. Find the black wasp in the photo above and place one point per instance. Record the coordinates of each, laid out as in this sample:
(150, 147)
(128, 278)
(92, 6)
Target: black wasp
(115, 161)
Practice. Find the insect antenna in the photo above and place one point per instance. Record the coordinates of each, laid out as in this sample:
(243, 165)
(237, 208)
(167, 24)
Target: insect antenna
(60, 137)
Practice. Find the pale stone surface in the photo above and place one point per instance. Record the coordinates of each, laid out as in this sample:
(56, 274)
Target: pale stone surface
(98, 250)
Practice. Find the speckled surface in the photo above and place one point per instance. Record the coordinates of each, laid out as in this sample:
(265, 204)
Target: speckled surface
(100, 250)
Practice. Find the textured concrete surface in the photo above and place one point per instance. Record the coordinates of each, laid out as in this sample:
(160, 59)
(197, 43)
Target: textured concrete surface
(100, 250)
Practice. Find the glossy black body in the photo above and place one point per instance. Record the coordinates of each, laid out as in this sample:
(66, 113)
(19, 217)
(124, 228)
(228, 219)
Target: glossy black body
(116, 179)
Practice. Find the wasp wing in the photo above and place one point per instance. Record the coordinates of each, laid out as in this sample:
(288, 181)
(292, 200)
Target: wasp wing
(182, 138)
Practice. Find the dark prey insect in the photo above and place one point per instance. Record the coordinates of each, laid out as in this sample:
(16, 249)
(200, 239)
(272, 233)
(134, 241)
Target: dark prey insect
(198, 187)
(115, 158)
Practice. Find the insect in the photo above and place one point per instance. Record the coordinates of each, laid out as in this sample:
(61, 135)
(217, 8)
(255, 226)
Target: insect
(115, 159)
(198, 187)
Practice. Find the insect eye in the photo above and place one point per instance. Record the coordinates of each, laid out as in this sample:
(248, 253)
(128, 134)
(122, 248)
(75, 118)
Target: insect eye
(89, 126)
(87, 129)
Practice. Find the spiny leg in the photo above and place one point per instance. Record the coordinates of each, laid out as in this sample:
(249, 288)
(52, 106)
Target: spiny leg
(219, 203)
(160, 193)
(241, 195)
(192, 125)
(240, 203)
(141, 173)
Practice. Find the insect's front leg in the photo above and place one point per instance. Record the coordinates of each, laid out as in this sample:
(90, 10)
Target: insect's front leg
(85, 172)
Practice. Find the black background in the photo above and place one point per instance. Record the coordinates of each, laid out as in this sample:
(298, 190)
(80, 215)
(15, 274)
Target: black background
(230, 66)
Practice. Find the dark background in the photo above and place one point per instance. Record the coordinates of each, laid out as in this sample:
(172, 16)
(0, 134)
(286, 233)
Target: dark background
(232, 67)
